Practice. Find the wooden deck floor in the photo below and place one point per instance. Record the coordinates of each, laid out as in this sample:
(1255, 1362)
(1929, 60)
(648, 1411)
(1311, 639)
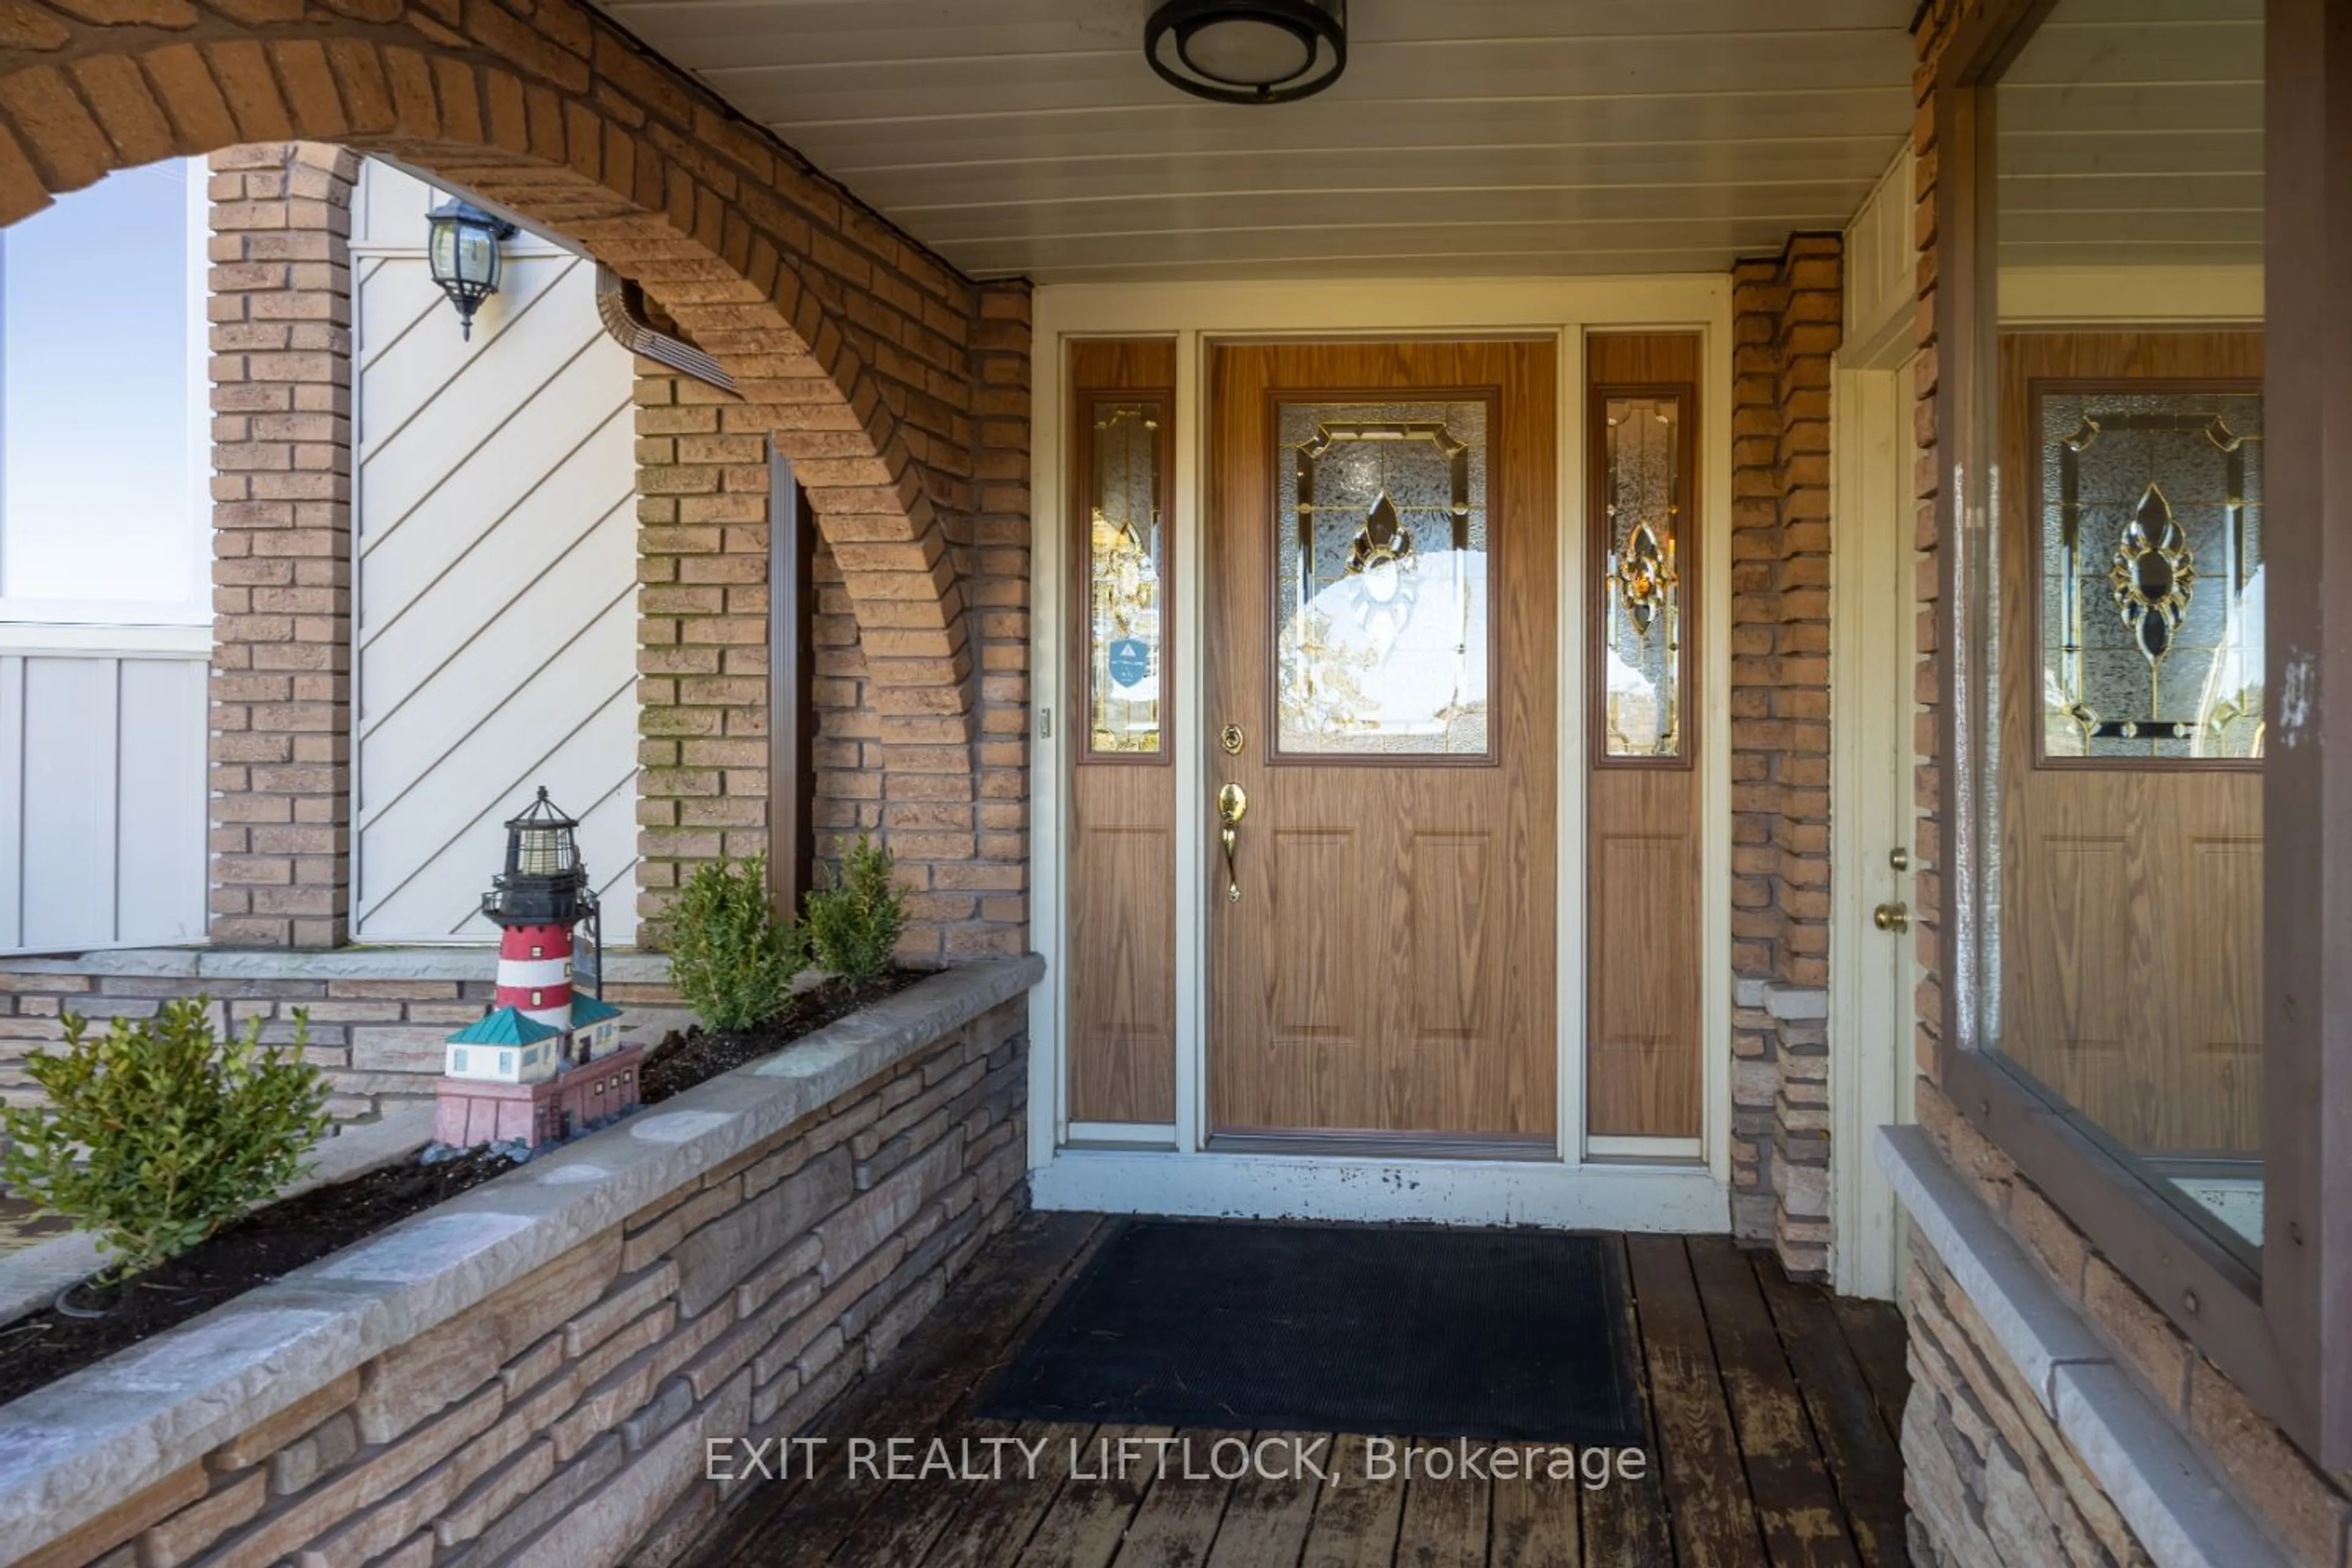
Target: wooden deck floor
(1773, 1409)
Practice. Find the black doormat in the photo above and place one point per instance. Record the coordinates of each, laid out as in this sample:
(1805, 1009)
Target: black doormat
(1511, 1335)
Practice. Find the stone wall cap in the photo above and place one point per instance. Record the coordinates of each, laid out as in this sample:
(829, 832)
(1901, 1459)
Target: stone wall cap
(73, 1449)
(2036, 1327)
(2179, 1511)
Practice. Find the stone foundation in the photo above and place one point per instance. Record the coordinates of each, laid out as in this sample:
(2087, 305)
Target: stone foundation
(530, 1372)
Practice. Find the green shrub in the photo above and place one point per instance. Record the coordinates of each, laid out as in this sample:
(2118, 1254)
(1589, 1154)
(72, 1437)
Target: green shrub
(158, 1133)
(855, 914)
(730, 957)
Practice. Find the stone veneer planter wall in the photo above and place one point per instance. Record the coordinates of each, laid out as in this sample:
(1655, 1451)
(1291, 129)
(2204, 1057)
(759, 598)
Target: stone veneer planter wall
(379, 1015)
(531, 1369)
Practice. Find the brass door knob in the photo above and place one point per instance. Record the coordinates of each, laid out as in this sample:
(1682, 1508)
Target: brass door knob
(1892, 917)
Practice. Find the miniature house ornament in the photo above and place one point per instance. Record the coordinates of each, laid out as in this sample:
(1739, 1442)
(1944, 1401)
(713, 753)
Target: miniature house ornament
(546, 1061)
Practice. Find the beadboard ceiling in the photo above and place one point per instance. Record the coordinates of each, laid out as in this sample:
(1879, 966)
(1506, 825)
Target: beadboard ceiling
(2130, 135)
(1467, 136)
(1480, 136)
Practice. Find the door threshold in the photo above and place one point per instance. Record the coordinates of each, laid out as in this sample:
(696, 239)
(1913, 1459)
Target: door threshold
(1424, 1190)
(1386, 1145)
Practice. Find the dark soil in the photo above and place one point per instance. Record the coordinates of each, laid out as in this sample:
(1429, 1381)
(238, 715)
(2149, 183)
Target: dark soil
(683, 1060)
(252, 1251)
(46, 1345)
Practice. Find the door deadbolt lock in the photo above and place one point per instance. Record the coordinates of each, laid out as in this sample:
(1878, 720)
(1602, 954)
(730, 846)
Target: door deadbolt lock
(1900, 859)
(1892, 917)
(1232, 739)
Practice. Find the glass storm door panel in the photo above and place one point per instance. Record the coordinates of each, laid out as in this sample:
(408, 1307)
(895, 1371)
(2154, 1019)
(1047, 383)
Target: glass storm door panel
(1380, 619)
(2130, 862)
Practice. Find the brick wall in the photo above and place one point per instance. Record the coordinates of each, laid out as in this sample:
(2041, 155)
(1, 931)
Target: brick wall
(565, 1415)
(1990, 1480)
(281, 306)
(702, 631)
(1787, 312)
(894, 384)
(893, 757)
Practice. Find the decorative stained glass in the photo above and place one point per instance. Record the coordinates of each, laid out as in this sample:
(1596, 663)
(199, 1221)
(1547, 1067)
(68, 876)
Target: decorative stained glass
(1642, 635)
(1381, 590)
(1125, 547)
(2151, 565)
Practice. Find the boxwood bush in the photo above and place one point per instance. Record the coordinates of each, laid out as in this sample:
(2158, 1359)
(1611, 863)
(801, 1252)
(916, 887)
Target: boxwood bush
(856, 913)
(732, 961)
(157, 1132)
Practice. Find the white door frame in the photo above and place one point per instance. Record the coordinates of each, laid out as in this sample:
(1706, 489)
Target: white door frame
(1872, 971)
(1166, 1169)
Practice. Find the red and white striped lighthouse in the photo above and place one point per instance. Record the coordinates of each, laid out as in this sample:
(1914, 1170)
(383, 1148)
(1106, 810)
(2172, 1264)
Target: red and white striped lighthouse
(535, 973)
(542, 1063)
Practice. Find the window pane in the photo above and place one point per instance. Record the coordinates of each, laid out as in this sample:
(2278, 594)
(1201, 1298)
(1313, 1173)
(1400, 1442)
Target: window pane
(1381, 590)
(97, 473)
(1127, 550)
(1642, 618)
(2120, 719)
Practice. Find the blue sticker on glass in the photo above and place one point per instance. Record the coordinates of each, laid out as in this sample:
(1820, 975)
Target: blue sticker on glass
(1131, 661)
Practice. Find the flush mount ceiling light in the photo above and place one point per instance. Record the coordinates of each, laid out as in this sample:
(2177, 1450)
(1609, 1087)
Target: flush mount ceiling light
(1249, 51)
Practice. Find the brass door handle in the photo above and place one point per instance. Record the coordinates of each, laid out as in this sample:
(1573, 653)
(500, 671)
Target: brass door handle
(1232, 803)
(1892, 917)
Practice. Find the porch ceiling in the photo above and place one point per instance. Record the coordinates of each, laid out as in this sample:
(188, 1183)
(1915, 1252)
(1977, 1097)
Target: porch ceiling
(1467, 136)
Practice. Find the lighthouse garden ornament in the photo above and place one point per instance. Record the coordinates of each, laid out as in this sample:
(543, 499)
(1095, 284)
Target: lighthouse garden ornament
(546, 1062)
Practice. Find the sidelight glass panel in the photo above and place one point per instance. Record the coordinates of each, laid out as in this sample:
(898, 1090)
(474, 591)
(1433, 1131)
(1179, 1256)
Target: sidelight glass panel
(1125, 546)
(1642, 628)
(2112, 743)
(1381, 579)
(2151, 556)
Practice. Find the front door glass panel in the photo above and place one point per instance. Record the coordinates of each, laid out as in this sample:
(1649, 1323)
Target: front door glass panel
(1381, 643)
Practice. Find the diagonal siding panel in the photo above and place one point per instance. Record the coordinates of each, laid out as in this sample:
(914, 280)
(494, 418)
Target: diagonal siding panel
(496, 580)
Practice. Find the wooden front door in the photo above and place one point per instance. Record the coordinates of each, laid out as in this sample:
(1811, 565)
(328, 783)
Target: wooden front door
(1381, 610)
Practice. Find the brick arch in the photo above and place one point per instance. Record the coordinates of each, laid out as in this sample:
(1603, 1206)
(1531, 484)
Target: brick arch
(564, 121)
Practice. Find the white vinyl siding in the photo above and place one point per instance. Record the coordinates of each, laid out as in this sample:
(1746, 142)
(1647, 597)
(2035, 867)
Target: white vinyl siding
(102, 800)
(495, 577)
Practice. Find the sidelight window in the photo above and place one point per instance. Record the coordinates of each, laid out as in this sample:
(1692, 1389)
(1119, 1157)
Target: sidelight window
(1644, 480)
(1123, 459)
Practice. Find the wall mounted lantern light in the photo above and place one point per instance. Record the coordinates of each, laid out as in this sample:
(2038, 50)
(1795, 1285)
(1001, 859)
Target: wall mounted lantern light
(462, 251)
(1249, 51)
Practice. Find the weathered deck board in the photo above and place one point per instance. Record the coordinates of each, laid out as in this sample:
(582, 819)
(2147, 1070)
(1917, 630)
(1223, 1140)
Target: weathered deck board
(1859, 1453)
(1773, 1410)
(1267, 1516)
(1804, 1525)
(1714, 1519)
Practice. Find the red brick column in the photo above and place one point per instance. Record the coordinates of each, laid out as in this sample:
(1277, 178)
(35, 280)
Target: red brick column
(281, 373)
(1787, 312)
